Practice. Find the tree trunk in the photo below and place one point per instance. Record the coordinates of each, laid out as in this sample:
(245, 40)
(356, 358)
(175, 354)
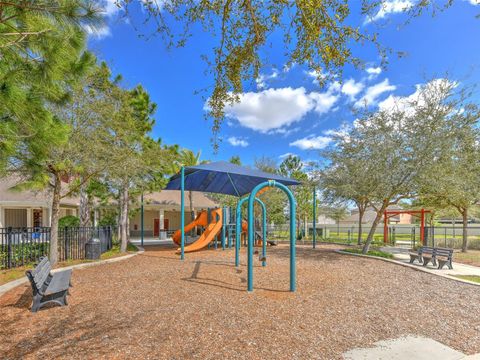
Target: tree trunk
(57, 187)
(305, 226)
(119, 217)
(465, 230)
(124, 219)
(379, 216)
(361, 212)
(84, 209)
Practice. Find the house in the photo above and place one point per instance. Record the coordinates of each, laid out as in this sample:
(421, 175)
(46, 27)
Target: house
(33, 208)
(162, 212)
(29, 208)
(370, 214)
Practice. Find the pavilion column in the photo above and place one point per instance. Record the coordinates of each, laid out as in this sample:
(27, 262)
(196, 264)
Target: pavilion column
(161, 217)
(29, 217)
(2, 217)
(95, 217)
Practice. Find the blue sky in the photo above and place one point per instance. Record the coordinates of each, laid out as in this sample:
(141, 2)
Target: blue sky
(286, 111)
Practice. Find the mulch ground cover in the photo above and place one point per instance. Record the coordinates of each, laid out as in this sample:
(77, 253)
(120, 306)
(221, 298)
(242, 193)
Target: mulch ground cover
(153, 306)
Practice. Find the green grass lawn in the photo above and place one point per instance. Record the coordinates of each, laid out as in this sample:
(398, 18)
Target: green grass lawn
(372, 252)
(474, 278)
(19, 272)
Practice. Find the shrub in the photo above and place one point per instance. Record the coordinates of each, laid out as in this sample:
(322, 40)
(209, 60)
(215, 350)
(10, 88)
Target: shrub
(69, 221)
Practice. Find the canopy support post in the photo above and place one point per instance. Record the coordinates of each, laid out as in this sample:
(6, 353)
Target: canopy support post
(223, 227)
(314, 239)
(182, 213)
(142, 230)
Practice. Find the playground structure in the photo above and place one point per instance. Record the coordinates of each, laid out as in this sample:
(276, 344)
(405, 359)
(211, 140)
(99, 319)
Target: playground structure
(216, 224)
(390, 213)
(245, 183)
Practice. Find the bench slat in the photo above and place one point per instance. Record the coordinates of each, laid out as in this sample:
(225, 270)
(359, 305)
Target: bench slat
(60, 282)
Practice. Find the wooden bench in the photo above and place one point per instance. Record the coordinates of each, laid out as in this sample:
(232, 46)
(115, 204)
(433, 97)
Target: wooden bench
(48, 287)
(419, 255)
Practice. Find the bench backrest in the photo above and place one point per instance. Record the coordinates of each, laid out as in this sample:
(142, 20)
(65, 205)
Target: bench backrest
(444, 252)
(426, 250)
(39, 275)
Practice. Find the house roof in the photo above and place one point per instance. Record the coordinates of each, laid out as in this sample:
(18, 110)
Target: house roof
(370, 215)
(172, 197)
(8, 196)
(28, 197)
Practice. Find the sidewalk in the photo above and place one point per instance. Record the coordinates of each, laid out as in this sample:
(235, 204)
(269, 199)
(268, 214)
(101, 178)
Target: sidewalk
(458, 268)
(407, 348)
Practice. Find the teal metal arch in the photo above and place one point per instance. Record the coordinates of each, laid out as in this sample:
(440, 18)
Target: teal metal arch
(238, 229)
(182, 213)
(251, 201)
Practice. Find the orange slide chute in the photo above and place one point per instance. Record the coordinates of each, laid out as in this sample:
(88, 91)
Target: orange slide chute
(212, 230)
(200, 220)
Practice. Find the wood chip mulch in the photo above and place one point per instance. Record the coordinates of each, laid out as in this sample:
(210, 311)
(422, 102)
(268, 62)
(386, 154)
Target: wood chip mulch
(153, 306)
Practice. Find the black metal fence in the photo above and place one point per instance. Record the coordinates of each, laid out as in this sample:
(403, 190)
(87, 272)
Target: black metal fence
(398, 235)
(23, 246)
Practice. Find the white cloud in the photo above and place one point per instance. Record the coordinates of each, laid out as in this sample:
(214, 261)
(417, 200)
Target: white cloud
(272, 110)
(404, 103)
(263, 78)
(474, 2)
(97, 33)
(315, 75)
(110, 7)
(390, 7)
(283, 156)
(342, 131)
(237, 141)
(373, 72)
(373, 92)
(352, 88)
(323, 101)
(312, 142)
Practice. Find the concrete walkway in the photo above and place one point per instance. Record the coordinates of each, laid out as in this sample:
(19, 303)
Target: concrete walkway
(408, 348)
(458, 268)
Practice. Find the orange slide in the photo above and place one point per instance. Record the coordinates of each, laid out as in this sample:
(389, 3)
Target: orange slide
(212, 229)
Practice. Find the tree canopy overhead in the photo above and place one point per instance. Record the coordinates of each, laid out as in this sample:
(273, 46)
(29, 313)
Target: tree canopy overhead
(320, 35)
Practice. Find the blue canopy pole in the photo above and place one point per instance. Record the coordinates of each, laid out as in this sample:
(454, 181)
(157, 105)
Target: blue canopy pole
(223, 227)
(229, 227)
(141, 220)
(264, 231)
(251, 200)
(314, 217)
(238, 226)
(238, 231)
(182, 213)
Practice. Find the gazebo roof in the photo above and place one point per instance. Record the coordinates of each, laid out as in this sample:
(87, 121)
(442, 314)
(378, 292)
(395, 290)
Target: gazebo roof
(224, 178)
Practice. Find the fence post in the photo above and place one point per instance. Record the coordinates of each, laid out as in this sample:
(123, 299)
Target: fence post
(9, 247)
(65, 242)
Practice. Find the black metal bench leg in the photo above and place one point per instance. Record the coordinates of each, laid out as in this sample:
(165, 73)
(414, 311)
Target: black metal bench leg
(36, 303)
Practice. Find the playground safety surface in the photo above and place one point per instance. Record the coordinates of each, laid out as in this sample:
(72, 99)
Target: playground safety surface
(154, 306)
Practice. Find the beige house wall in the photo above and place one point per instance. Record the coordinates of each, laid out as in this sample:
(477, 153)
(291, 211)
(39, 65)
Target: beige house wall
(23, 216)
(149, 217)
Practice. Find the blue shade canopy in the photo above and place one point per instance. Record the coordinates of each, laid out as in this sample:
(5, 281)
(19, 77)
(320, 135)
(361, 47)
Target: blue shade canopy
(224, 178)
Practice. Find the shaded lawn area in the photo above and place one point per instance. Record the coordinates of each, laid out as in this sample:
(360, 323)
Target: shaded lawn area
(155, 306)
(19, 272)
(472, 257)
